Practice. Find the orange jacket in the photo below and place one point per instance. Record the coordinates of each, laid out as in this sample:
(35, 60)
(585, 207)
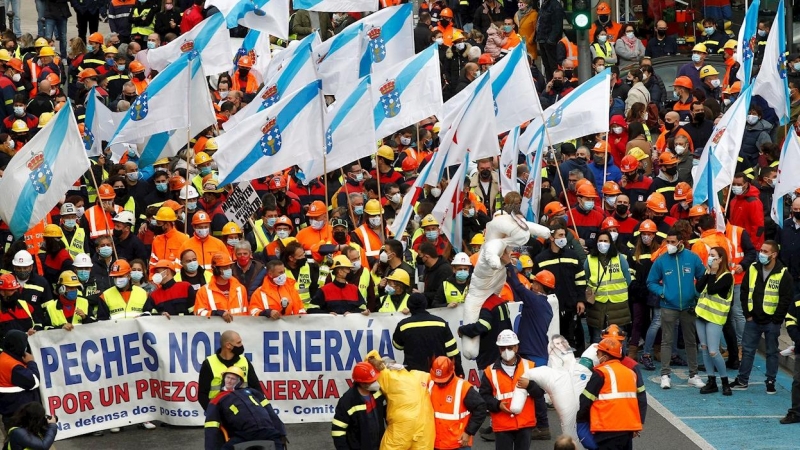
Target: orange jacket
(167, 246)
(447, 34)
(450, 414)
(370, 239)
(98, 227)
(503, 389)
(616, 407)
(512, 41)
(734, 235)
(309, 237)
(251, 87)
(269, 296)
(141, 85)
(708, 240)
(211, 298)
(661, 142)
(205, 249)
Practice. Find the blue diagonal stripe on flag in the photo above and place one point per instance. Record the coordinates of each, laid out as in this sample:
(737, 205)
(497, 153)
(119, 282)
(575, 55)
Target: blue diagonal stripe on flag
(343, 38)
(405, 76)
(389, 30)
(304, 96)
(301, 57)
(239, 11)
(88, 118)
(155, 145)
(209, 29)
(349, 103)
(508, 70)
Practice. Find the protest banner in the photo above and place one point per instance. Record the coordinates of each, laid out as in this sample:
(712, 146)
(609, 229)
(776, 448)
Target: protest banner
(118, 373)
(241, 204)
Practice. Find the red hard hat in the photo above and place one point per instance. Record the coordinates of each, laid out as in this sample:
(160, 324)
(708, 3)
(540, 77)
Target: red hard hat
(629, 164)
(409, 164)
(485, 59)
(8, 282)
(276, 183)
(363, 372)
(16, 64)
(610, 346)
(546, 278)
(442, 369)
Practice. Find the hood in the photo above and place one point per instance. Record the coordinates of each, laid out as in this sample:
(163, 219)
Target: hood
(15, 343)
(752, 192)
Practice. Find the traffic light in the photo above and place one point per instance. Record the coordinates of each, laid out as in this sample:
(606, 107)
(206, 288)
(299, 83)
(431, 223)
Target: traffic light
(581, 14)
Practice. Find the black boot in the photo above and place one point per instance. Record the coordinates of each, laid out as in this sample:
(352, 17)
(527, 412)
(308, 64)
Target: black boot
(711, 386)
(726, 388)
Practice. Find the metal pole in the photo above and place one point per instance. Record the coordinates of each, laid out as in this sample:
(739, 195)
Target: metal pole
(584, 56)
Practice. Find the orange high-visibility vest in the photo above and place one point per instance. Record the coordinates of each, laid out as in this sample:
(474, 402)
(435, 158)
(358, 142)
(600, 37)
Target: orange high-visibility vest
(503, 389)
(449, 413)
(616, 407)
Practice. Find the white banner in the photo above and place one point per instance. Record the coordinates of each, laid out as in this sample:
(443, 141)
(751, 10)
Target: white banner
(113, 374)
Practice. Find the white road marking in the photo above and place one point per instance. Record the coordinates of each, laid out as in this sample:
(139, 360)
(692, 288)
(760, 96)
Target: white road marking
(678, 423)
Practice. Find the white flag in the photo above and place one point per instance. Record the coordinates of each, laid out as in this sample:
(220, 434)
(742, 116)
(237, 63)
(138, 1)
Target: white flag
(508, 162)
(449, 207)
(788, 180)
(99, 124)
(210, 39)
(287, 133)
(334, 59)
(269, 16)
(771, 83)
(256, 45)
(337, 5)
(532, 194)
(388, 38)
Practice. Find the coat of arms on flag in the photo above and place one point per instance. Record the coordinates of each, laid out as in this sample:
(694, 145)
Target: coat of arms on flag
(271, 140)
(188, 47)
(555, 118)
(782, 65)
(749, 47)
(139, 108)
(376, 45)
(270, 96)
(41, 176)
(88, 139)
(328, 140)
(390, 99)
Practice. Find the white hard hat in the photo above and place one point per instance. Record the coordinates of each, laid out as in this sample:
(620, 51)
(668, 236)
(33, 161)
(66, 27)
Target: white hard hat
(125, 217)
(82, 260)
(506, 338)
(461, 259)
(23, 259)
(68, 209)
(189, 193)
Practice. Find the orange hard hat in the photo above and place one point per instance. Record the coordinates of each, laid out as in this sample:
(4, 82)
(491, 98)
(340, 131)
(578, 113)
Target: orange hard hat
(600, 147)
(177, 183)
(648, 226)
(446, 13)
(96, 37)
(603, 8)
(485, 59)
(587, 191)
(106, 192)
(667, 159)
(120, 268)
(442, 369)
(409, 164)
(285, 221)
(15, 64)
(582, 182)
(200, 217)
(316, 209)
(172, 204)
(611, 188)
(8, 282)
(657, 203)
(363, 372)
(698, 211)
(276, 183)
(684, 82)
(546, 278)
(682, 190)
(221, 260)
(136, 67)
(614, 332)
(610, 346)
(87, 73)
(245, 61)
(609, 222)
(553, 208)
(54, 79)
(629, 164)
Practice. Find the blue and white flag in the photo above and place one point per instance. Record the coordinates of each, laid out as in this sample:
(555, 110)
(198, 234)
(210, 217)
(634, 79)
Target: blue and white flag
(747, 44)
(581, 112)
(99, 124)
(209, 38)
(290, 132)
(717, 164)
(532, 194)
(167, 101)
(405, 93)
(508, 162)
(269, 16)
(256, 45)
(771, 83)
(787, 181)
(348, 133)
(337, 5)
(334, 59)
(39, 175)
(289, 71)
(412, 196)
(388, 38)
(450, 206)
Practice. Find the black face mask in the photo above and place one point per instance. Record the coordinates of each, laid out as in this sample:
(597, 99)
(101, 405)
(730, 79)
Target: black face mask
(621, 209)
(243, 73)
(129, 98)
(658, 219)
(444, 22)
(628, 81)
(340, 237)
(796, 214)
(661, 33)
(568, 73)
(599, 160)
(603, 18)
(238, 351)
(698, 117)
(300, 262)
(117, 234)
(632, 176)
(156, 229)
(671, 171)
(139, 76)
(279, 196)
(558, 84)
(669, 126)
(121, 192)
(486, 174)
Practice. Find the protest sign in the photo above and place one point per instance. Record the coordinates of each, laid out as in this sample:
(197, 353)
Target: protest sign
(241, 204)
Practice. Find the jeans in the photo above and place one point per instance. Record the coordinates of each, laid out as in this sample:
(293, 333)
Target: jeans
(13, 5)
(795, 409)
(58, 28)
(750, 340)
(652, 331)
(513, 440)
(737, 314)
(670, 317)
(40, 28)
(87, 23)
(709, 335)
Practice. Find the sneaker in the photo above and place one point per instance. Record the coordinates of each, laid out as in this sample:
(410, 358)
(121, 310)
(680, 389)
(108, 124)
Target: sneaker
(540, 434)
(148, 426)
(677, 361)
(696, 382)
(115, 430)
(790, 418)
(647, 362)
(770, 387)
(787, 352)
(665, 383)
(738, 385)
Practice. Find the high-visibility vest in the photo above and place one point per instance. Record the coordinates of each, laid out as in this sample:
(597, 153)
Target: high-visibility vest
(734, 235)
(450, 415)
(612, 287)
(714, 308)
(371, 240)
(7, 366)
(262, 240)
(118, 309)
(57, 317)
(146, 29)
(240, 308)
(217, 367)
(503, 389)
(77, 244)
(33, 68)
(99, 225)
(250, 87)
(603, 51)
(363, 282)
(616, 407)
(771, 289)
(141, 85)
(303, 283)
(572, 51)
(388, 306)
(453, 294)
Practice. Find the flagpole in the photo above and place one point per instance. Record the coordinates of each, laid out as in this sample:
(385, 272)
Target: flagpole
(347, 194)
(188, 152)
(378, 177)
(558, 170)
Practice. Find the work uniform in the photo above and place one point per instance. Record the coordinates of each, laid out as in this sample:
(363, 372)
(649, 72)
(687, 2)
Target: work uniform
(423, 337)
(610, 285)
(204, 248)
(116, 305)
(74, 241)
(19, 382)
(394, 303)
(359, 423)
(211, 300)
(58, 313)
(458, 408)
(209, 382)
(369, 240)
(98, 222)
(245, 415)
(492, 319)
(19, 315)
(451, 292)
(512, 431)
(339, 298)
(175, 298)
(269, 296)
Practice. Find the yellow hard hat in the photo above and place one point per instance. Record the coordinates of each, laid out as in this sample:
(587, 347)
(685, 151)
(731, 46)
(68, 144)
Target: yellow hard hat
(44, 119)
(159, 162)
(40, 42)
(165, 214)
(437, 127)
(68, 278)
(731, 44)
(52, 231)
(341, 261)
(211, 144)
(708, 71)
(231, 228)
(429, 220)
(110, 50)
(477, 239)
(700, 48)
(236, 371)
(19, 126)
(384, 151)
(47, 51)
(373, 208)
(637, 153)
(401, 276)
(457, 35)
(5, 56)
(526, 261)
(201, 158)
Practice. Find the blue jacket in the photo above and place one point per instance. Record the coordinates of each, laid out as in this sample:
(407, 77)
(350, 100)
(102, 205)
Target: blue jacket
(567, 166)
(534, 319)
(672, 279)
(612, 173)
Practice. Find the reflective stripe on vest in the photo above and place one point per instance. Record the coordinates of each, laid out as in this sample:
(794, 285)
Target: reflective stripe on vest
(571, 49)
(363, 282)
(496, 385)
(452, 294)
(387, 305)
(213, 305)
(457, 413)
(7, 365)
(612, 287)
(303, 282)
(143, 30)
(217, 367)
(616, 407)
(57, 317)
(76, 245)
(734, 235)
(770, 302)
(603, 51)
(365, 239)
(119, 309)
(714, 308)
(95, 230)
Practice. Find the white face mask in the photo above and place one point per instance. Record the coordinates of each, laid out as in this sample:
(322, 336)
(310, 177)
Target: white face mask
(616, 130)
(436, 192)
(282, 234)
(157, 278)
(680, 149)
(672, 249)
(715, 83)
(121, 282)
(280, 280)
(383, 257)
(227, 274)
(507, 355)
(460, 46)
(752, 119)
(603, 247)
(317, 224)
(375, 222)
(16, 77)
(374, 387)
(202, 233)
(611, 200)
(439, 41)
(395, 198)
(561, 242)
(356, 264)
(647, 239)
(644, 116)
(405, 141)
(614, 235)
(630, 35)
(737, 190)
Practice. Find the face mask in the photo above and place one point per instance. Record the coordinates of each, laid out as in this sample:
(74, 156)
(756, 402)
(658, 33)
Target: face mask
(711, 260)
(280, 280)
(709, 31)
(71, 295)
(762, 33)
(469, 212)
(12, 144)
(356, 265)
(672, 249)
(358, 210)
(603, 247)
(507, 355)
(647, 239)
(599, 69)
(151, 45)
(120, 283)
(715, 83)
(629, 35)
(763, 258)
(137, 275)
(737, 190)
(432, 235)
(202, 233)
(558, 85)
(561, 242)
(796, 215)
(614, 235)
(602, 38)
(680, 149)
(622, 209)
(477, 73)
(205, 171)
(90, 48)
(282, 234)
(460, 46)
(233, 242)
(162, 187)
(395, 198)
(752, 119)
(405, 141)
(83, 275)
(105, 252)
(223, 94)
(383, 257)
(508, 28)
(444, 22)
(227, 274)
(19, 111)
(374, 222)
(390, 290)
(271, 221)
(462, 275)
(486, 174)
(238, 351)
(374, 387)
(359, 177)
(588, 205)
(436, 192)
(439, 41)
(727, 101)
(192, 266)
(191, 206)
(603, 18)
(568, 73)
(611, 200)
(796, 67)
(133, 176)
(110, 61)
(617, 130)
(696, 57)
(70, 223)
(317, 224)
(521, 5)
(168, 7)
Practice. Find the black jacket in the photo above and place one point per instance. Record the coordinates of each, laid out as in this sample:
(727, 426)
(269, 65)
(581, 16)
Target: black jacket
(493, 318)
(550, 25)
(789, 239)
(666, 47)
(422, 37)
(423, 337)
(207, 375)
(354, 428)
(434, 276)
(785, 295)
(162, 23)
(131, 248)
(25, 376)
(244, 414)
(566, 267)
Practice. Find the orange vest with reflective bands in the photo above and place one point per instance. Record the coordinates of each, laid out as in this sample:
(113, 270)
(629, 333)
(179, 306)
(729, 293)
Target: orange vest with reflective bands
(571, 51)
(503, 389)
(99, 220)
(141, 85)
(370, 239)
(449, 413)
(251, 87)
(734, 235)
(616, 407)
(7, 365)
